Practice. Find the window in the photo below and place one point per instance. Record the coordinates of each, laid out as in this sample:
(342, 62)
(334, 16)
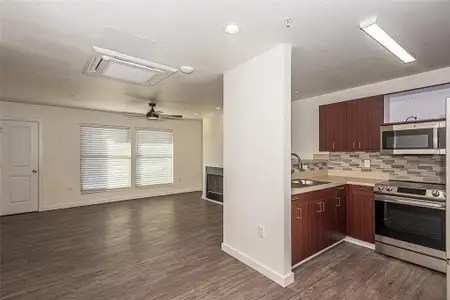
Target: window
(105, 158)
(154, 159)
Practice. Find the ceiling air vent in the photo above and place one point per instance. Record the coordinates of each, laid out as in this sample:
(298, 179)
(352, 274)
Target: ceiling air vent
(122, 67)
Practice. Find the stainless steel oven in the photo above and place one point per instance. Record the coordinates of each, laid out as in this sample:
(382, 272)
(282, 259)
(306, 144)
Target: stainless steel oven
(410, 222)
(419, 137)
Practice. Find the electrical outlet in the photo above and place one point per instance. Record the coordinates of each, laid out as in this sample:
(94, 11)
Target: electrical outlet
(260, 231)
(366, 163)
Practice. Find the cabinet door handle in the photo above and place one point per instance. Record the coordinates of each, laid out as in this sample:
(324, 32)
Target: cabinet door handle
(333, 146)
(320, 207)
(339, 201)
(299, 213)
(353, 144)
(341, 188)
(363, 189)
(323, 206)
(359, 144)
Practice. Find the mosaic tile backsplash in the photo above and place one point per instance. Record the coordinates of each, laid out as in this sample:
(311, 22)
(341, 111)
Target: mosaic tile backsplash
(316, 166)
(422, 168)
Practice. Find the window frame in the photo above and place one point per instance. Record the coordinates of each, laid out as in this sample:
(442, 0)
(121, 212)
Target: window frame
(135, 155)
(94, 191)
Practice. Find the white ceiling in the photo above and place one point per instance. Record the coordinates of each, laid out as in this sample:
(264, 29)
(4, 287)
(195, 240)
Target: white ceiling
(44, 46)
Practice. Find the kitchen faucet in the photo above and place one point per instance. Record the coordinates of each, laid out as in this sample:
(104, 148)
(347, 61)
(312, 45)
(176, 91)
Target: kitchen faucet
(298, 165)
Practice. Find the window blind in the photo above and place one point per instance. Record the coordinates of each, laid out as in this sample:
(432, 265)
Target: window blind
(154, 157)
(105, 158)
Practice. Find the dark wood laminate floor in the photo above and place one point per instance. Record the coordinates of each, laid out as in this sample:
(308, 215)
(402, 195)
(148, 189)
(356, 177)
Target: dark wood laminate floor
(169, 248)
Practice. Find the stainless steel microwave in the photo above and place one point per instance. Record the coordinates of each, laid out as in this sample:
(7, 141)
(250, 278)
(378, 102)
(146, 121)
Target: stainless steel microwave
(418, 137)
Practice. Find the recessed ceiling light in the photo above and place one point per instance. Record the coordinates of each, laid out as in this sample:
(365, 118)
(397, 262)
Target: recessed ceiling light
(296, 92)
(218, 107)
(196, 114)
(186, 69)
(231, 28)
(389, 43)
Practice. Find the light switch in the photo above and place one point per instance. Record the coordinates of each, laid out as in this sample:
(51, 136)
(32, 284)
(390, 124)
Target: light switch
(260, 231)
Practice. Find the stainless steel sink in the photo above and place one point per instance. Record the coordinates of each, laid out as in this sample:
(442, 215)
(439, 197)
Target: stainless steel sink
(300, 183)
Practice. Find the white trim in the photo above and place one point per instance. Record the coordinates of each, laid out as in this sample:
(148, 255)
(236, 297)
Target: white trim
(210, 200)
(124, 198)
(317, 254)
(283, 280)
(360, 243)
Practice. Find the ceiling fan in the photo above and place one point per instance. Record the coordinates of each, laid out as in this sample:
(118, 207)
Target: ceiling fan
(157, 115)
(154, 114)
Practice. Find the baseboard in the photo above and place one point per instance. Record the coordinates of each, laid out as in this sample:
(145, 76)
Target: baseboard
(117, 199)
(360, 243)
(210, 200)
(317, 254)
(283, 280)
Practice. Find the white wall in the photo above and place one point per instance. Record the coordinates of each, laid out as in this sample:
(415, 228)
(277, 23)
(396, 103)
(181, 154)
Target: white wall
(213, 140)
(212, 143)
(60, 138)
(427, 103)
(305, 112)
(256, 159)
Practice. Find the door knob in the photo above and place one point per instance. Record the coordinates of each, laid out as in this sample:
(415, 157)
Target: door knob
(34, 171)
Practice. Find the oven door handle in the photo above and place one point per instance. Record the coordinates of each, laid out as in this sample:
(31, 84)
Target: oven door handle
(440, 206)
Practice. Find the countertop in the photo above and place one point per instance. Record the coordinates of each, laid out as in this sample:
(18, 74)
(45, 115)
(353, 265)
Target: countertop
(335, 181)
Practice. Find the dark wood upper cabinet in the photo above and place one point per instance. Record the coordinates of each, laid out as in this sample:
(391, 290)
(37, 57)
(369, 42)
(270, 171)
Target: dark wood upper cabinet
(353, 132)
(351, 125)
(322, 129)
(360, 213)
(374, 117)
(333, 126)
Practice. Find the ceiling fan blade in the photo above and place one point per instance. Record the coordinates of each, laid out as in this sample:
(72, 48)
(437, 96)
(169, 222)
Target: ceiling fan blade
(134, 115)
(171, 116)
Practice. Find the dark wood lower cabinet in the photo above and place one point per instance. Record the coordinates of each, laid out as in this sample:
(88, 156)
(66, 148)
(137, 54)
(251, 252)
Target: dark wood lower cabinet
(329, 220)
(341, 198)
(314, 223)
(360, 213)
(322, 218)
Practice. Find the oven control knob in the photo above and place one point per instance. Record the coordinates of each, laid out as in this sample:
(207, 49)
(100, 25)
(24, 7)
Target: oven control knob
(435, 193)
(380, 187)
(389, 188)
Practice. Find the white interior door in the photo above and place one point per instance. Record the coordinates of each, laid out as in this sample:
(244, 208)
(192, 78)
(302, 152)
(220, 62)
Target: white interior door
(19, 167)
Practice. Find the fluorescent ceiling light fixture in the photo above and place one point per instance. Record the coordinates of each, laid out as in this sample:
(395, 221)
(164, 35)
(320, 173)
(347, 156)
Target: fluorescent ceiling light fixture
(231, 28)
(387, 42)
